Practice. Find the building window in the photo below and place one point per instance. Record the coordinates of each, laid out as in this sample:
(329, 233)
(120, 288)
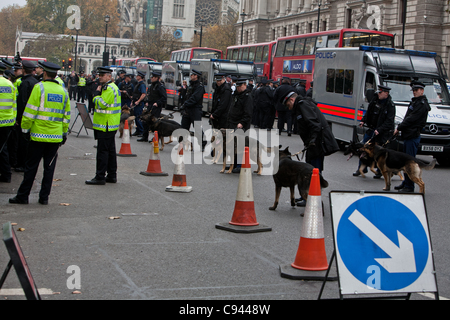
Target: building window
(178, 8)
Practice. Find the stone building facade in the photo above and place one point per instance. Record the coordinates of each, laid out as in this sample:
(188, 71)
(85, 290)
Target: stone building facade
(427, 25)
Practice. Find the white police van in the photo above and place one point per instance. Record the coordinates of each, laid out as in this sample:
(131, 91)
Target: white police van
(173, 74)
(346, 79)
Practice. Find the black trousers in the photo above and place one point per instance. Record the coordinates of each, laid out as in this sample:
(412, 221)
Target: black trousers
(81, 94)
(36, 152)
(190, 117)
(22, 147)
(5, 168)
(106, 155)
(284, 117)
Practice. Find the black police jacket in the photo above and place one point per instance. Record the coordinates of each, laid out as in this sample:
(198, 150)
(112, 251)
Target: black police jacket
(194, 95)
(415, 118)
(386, 116)
(156, 93)
(25, 88)
(241, 110)
(221, 105)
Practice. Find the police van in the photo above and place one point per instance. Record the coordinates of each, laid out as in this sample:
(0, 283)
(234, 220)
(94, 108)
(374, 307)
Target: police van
(173, 74)
(148, 67)
(209, 67)
(346, 79)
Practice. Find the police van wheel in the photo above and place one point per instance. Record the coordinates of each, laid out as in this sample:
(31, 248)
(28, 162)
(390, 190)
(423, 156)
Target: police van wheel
(444, 161)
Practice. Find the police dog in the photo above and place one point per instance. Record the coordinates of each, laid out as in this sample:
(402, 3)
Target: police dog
(126, 116)
(366, 161)
(163, 125)
(390, 162)
(227, 144)
(293, 173)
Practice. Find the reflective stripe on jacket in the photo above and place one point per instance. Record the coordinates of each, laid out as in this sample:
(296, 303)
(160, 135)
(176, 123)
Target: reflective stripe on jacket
(47, 114)
(8, 108)
(108, 109)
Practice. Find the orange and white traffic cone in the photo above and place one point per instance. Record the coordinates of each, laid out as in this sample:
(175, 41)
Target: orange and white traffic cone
(125, 149)
(311, 255)
(244, 216)
(154, 163)
(179, 176)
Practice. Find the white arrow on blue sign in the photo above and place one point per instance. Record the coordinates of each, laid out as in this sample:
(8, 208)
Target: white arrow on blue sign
(383, 237)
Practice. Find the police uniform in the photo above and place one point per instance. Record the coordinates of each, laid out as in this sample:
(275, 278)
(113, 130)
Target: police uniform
(25, 89)
(156, 94)
(106, 123)
(45, 122)
(81, 88)
(7, 121)
(139, 89)
(192, 108)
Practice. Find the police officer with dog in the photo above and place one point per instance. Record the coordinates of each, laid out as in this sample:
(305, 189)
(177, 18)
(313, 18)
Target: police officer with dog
(45, 123)
(107, 101)
(221, 102)
(137, 104)
(415, 119)
(379, 118)
(192, 108)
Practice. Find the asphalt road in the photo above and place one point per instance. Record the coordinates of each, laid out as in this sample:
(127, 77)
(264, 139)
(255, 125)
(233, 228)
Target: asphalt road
(165, 246)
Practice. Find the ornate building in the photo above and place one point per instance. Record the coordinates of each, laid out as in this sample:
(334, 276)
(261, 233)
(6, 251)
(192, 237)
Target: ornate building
(427, 24)
(184, 16)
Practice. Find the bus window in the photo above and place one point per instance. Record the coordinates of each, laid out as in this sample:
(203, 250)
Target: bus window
(251, 53)
(265, 57)
(321, 42)
(245, 54)
(330, 80)
(240, 54)
(235, 54)
(289, 50)
(299, 46)
(333, 41)
(258, 55)
(229, 53)
(280, 49)
(186, 56)
(348, 82)
(310, 45)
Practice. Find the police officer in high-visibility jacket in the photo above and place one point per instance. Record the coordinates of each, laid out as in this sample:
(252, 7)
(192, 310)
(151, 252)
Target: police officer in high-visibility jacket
(81, 88)
(107, 101)
(45, 123)
(7, 121)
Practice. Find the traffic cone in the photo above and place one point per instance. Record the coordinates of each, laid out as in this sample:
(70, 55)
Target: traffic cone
(244, 216)
(125, 149)
(154, 163)
(311, 255)
(179, 176)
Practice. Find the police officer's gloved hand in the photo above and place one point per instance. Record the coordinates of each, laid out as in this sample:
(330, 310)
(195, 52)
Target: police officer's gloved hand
(26, 136)
(64, 140)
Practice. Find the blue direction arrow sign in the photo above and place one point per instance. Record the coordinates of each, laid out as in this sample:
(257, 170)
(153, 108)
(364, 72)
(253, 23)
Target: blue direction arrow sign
(381, 236)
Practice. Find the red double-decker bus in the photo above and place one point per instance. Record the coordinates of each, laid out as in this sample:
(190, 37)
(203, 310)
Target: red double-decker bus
(196, 53)
(261, 54)
(131, 62)
(295, 55)
(32, 59)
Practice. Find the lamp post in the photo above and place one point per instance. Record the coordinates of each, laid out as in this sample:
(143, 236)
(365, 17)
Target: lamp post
(243, 15)
(106, 54)
(318, 16)
(76, 49)
(201, 30)
(405, 5)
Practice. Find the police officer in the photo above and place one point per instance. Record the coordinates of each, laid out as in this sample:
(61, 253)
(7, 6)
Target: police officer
(379, 118)
(126, 90)
(156, 99)
(221, 102)
(240, 114)
(265, 99)
(139, 94)
(25, 89)
(7, 121)
(415, 119)
(284, 114)
(81, 87)
(107, 101)
(45, 123)
(192, 109)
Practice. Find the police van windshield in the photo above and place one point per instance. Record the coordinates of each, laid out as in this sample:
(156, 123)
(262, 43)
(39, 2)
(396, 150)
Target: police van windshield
(401, 89)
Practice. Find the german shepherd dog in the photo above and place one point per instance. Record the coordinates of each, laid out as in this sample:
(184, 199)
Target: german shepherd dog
(125, 116)
(390, 162)
(255, 146)
(293, 173)
(163, 125)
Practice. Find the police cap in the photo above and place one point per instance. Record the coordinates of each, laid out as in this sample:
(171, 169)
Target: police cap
(2, 67)
(241, 81)
(384, 88)
(49, 66)
(141, 74)
(219, 76)
(285, 93)
(198, 73)
(17, 66)
(417, 85)
(156, 74)
(8, 64)
(102, 70)
(28, 65)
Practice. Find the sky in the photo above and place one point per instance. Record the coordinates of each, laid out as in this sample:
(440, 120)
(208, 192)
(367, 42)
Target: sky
(5, 3)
